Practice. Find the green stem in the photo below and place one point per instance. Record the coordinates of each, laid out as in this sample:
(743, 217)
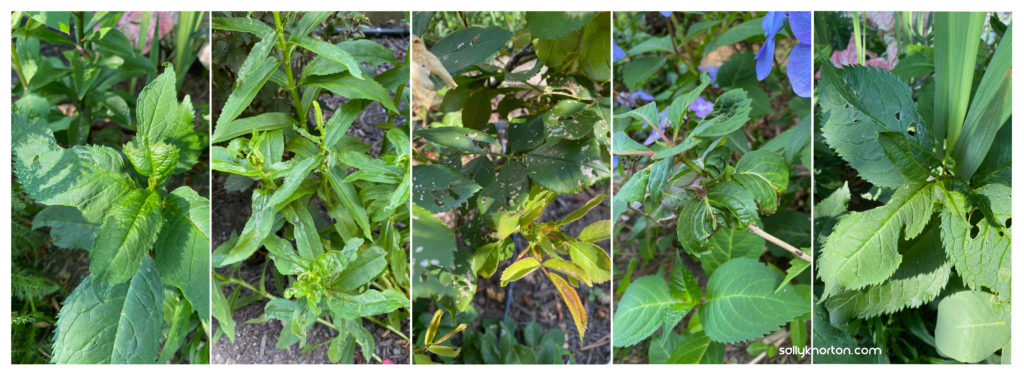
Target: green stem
(857, 39)
(287, 55)
(693, 166)
(17, 67)
(673, 26)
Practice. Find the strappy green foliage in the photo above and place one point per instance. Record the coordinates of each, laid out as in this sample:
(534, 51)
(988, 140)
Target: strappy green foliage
(330, 211)
(945, 219)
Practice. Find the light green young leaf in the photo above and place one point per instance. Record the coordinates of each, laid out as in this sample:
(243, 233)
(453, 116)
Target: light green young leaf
(569, 269)
(127, 234)
(677, 110)
(989, 110)
(971, 326)
(112, 323)
(155, 160)
(183, 248)
(582, 211)
(765, 174)
(593, 259)
(241, 24)
(742, 304)
(486, 258)
(85, 177)
(596, 231)
(519, 269)
(862, 249)
(921, 276)
(161, 118)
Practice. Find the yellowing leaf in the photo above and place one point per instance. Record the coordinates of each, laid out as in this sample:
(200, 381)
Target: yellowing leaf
(572, 300)
(519, 269)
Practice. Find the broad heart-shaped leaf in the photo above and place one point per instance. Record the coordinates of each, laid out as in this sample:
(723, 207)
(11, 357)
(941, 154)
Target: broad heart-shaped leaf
(553, 25)
(923, 273)
(742, 304)
(735, 202)
(154, 160)
(695, 226)
(731, 111)
(519, 269)
(112, 323)
(971, 325)
(572, 301)
(765, 174)
(433, 243)
(126, 236)
(89, 178)
(332, 52)
(67, 226)
(369, 303)
(469, 46)
(162, 118)
(472, 141)
(916, 163)
(862, 249)
(861, 103)
(258, 227)
(438, 188)
(509, 189)
(646, 305)
(566, 166)
(183, 248)
(984, 259)
(728, 243)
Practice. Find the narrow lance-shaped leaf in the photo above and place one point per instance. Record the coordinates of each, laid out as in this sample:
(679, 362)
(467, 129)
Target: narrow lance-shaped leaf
(259, 225)
(112, 323)
(572, 300)
(989, 110)
(369, 303)
(126, 236)
(332, 52)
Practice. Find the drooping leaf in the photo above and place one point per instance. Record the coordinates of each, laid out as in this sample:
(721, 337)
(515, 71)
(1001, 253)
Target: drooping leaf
(258, 227)
(572, 301)
(862, 249)
(971, 325)
(89, 178)
(112, 323)
(646, 305)
(569, 269)
(765, 174)
(439, 189)
(741, 302)
(67, 226)
(183, 248)
(127, 234)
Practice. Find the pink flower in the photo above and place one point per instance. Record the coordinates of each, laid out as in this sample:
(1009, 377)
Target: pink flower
(387, 362)
(130, 22)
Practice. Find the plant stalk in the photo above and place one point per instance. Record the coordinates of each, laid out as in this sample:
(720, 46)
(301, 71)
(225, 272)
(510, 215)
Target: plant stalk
(775, 240)
(287, 55)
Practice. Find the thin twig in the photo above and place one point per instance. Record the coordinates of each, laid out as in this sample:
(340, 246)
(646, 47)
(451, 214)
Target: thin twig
(775, 240)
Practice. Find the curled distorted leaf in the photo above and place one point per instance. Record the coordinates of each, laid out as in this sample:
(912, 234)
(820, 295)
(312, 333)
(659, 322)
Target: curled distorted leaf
(572, 300)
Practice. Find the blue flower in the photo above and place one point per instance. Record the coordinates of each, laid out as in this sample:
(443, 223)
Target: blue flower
(615, 161)
(662, 124)
(712, 73)
(701, 107)
(665, 13)
(798, 65)
(617, 52)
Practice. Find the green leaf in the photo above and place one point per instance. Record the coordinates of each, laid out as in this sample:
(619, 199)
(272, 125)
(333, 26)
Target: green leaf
(519, 269)
(371, 262)
(596, 48)
(152, 159)
(248, 125)
(596, 231)
(67, 226)
(467, 140)
(731, 111)
(971, 326)
(247, 86)
(258, 227)
(637, 72)
(183, 248)
(506, 223)
(861, 103)
(827, 335)
(350, 200)
(241, 24)
(735, 202)
(508, 190)
(307, 23)
(361, 50)
(128, 232)
(112, 323)
(469, 46)
(569, 269)
(85, 177)
(566, 166)
(553, 25)
(956, 53)
(677, 110)
(222, 312)
(989, 110)
(736, 34)
(697, 348)
(982, 261)
(742, 304)
(438, 188)
(593, 259)
(330, 51)
(646, 305)
(352, 87)
(796, 267)
(765, 174)
(695, 226)
(296, 175)
(582, 211)
(915, 163)
(433, 242)
(572, 120)
(307, 237)
(486, 258)
(862, 249)
(923, 273)
(728, 243)
(161, 118)
(369, 303)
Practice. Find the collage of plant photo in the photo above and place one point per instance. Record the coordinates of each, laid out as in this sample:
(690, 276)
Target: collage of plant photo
(514, 187)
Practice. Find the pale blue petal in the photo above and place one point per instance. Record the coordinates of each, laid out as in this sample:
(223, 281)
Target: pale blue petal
(765, 58)
(665, 13)
(798, 67)
(617, 52)
(800, 24)
(772, 23)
